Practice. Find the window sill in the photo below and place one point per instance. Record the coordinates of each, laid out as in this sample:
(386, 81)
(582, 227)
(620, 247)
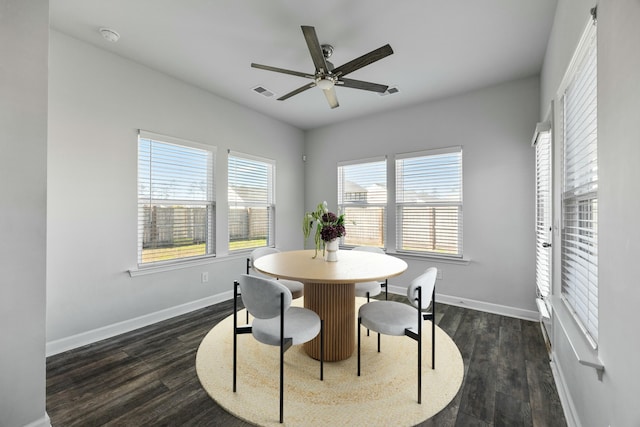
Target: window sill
(434, 258)
(152, 269)
(582, 348)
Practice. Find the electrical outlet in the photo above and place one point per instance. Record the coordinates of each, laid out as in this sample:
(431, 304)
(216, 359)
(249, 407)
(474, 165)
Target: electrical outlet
(439, 275)
(204, 278)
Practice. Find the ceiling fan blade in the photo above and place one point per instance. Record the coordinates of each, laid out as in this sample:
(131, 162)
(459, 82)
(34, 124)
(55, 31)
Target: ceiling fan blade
(366, 59)
(330, 94)
(359, 84)
(282, 70)
(297, 91)
(314, 48)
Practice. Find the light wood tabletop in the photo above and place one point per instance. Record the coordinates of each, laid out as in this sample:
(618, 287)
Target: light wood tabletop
(352, 266)
(329, 290)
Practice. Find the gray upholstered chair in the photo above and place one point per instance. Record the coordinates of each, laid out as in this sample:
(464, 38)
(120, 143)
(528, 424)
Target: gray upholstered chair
(275, 321)
(396, 318)
(296, 288)
(371, 289)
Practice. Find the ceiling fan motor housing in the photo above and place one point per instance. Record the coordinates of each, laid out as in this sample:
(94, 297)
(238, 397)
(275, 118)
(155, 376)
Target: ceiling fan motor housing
(327, 50)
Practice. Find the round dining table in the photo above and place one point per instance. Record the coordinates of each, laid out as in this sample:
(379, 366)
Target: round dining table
(329, 290)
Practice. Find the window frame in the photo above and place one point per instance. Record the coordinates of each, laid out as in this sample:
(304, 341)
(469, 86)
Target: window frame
(587, 321)
(400, 204)
(344, 204)
(209, 201)
(270, 204)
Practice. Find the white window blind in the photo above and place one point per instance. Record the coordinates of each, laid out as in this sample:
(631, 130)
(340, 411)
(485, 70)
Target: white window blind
(542, 144)
(429, 202)
(251, 195)
(176, 207)
(362, 197)
(580, 187)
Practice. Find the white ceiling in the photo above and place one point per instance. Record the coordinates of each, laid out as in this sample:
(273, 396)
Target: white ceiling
(441, 47)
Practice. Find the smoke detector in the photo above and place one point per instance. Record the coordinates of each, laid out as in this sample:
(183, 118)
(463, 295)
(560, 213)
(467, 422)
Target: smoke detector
(109, 34)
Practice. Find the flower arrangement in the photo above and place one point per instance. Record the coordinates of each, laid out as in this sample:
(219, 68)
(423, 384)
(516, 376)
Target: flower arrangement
(329, 226)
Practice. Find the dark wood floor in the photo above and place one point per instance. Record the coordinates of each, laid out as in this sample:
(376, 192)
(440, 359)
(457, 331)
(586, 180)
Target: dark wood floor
(147, 377)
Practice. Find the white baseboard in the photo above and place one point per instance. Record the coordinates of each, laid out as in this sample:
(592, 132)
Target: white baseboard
(569, 409)
(44, 421)
(487, 307)
(88, 337)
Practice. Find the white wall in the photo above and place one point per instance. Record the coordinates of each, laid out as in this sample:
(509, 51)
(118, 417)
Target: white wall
(97, 102)
(614, 400)
(24, 30)
(494, 126)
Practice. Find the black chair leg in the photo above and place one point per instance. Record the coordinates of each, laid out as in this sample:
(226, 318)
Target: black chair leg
(282, 350)
(248, 268)
(235, 330)
(368, 296)
(378, 342)
(321, 350)
(359, 324)
(433, 329)
(433, 344)
(419, 346)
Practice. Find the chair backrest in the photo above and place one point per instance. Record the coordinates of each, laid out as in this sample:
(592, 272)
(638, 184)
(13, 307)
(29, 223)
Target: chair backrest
(261, 296)
(426, 281)
(260, 252)
(373, 249)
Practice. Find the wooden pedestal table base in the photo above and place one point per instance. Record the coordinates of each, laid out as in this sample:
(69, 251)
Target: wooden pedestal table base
(335, 304)
(329, 290)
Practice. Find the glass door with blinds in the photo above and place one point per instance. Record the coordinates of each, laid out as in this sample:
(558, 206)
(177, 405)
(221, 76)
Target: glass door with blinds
(543, 195)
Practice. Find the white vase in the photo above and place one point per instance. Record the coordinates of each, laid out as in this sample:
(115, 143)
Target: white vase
(331, 250)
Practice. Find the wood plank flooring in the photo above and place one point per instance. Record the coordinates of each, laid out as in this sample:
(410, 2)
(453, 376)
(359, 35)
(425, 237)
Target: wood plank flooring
(147, 377)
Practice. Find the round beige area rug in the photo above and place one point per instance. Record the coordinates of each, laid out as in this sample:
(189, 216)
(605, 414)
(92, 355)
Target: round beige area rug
(385, 393)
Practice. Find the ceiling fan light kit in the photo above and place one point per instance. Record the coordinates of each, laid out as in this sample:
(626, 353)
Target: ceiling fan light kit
(325, 83)
(326, 77)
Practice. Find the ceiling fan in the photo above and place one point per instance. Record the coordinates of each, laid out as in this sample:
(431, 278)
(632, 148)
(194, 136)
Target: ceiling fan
(326, 76)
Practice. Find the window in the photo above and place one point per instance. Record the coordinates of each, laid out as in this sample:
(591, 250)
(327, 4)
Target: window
(362, 197)
(579, 251)
(542, 144)
(429, 202)
(176, 207)
(251, 201)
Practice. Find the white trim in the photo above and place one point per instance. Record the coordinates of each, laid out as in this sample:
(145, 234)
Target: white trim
(486, 307)
(161, 268)
(570, 413)
(430, 257)
(540, 128)
(588, 32)
(43, 421)
(581, 344)
(432, 152)
(175, 265)
(359, 161)
(145, 134)
(88, 337)
(250, 157)
(542, 309)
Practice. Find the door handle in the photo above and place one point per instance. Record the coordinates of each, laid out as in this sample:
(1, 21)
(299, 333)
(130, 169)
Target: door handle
(546, 245)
